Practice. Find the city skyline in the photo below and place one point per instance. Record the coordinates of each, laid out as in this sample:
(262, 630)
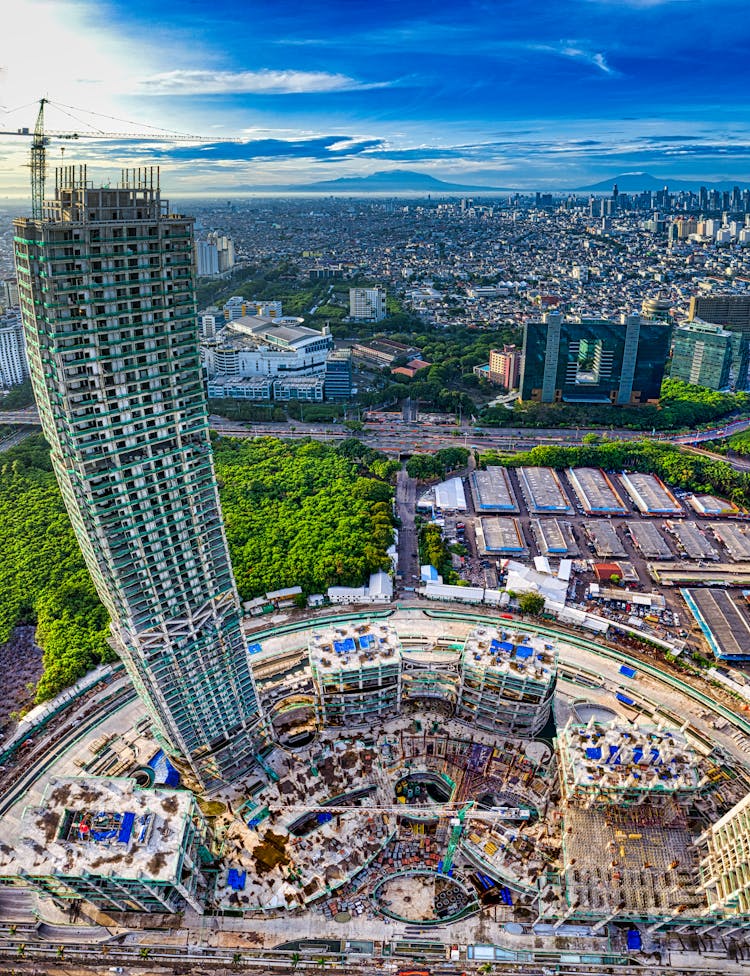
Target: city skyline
(292, 94)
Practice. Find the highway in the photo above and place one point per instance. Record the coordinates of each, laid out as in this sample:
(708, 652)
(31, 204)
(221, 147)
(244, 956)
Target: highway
(396, 436)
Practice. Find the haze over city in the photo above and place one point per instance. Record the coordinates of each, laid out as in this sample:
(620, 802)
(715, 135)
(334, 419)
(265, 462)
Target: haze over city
(488, 94)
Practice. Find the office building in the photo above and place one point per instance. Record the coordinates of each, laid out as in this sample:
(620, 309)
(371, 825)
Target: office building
(238, 307)
(367, 304)
(338, 375)
(733, 313)
(113, 845)
(13, 365)
(574, 360)
(702, 355)
(107, 296)
(505, 367)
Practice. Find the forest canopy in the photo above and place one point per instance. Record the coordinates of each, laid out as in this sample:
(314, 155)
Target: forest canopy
(296, 513)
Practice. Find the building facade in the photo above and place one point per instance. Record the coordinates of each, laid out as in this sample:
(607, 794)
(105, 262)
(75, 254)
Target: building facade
(106, 283)
(594, 360)
(367, 304)
(506, 687)
(338, 375)
(505, 367)
(731, 311)
(14, 367)
(116, 846)
(702, 355)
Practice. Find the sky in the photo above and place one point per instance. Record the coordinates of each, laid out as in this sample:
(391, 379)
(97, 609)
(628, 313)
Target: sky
(530, 94)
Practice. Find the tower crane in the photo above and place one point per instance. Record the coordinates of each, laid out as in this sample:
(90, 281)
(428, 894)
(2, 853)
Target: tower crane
(40, 138)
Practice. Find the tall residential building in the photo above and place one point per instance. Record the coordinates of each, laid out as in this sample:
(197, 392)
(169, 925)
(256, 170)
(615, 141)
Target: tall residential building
(731, 311)
(215, 255)
(505, 367)
(206, 259)
(106, 282)
(8, 294)
(13, 365)
(702, 355)
(224, 250)
(367, 304)
(594, 360)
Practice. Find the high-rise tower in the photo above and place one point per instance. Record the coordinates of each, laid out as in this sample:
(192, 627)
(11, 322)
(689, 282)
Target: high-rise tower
(106, 285)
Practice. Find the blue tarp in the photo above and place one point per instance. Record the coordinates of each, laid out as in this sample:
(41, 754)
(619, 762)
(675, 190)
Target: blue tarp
(365, 641)
(523, 651)
(126, 828)
(594, 752)
(624, 699)
(628, 672)
(164, 772)
(634, 939)
(236, 879)
(254, 648)
(349, 644)
(505, 646)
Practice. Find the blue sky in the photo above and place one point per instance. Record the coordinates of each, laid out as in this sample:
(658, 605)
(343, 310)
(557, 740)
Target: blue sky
(518, 93)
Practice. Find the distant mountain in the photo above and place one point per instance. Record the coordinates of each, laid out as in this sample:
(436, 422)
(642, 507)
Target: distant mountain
(390, 181)
(637, 182)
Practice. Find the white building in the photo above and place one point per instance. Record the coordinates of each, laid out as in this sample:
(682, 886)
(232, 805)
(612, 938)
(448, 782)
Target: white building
(224, 250)
(13, 365)
(206, 259)
(258, 357)
(214, 256)
(367, 304)
(378, 590)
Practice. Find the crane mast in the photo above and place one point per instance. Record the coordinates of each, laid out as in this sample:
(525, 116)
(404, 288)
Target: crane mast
(38, 164)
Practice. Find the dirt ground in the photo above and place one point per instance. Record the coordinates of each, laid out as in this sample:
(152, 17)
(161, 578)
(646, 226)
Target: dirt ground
(20, 664)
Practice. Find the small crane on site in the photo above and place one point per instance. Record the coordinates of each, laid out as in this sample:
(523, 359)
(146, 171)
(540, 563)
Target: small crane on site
(40, 139)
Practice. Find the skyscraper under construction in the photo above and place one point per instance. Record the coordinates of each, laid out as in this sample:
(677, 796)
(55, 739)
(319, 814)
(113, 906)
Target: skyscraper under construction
(106, 285)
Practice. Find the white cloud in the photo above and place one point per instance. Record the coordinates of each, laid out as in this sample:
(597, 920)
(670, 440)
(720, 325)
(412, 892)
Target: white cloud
(266, 81)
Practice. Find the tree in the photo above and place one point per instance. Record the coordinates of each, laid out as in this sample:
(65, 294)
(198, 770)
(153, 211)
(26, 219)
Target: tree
(531, 604)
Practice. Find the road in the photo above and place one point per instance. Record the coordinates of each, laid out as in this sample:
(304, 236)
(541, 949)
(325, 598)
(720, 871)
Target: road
(406, 502)
(407, 436)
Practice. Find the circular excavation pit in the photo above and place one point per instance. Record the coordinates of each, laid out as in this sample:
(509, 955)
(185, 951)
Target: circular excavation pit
(422, 896)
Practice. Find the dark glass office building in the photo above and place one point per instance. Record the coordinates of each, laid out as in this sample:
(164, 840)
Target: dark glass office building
(594, 360)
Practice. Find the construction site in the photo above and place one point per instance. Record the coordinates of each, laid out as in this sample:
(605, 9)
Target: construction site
(420, 774)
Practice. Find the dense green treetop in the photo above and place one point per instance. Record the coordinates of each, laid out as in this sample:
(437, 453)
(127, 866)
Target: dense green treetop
(304, 513)
(43, 578)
